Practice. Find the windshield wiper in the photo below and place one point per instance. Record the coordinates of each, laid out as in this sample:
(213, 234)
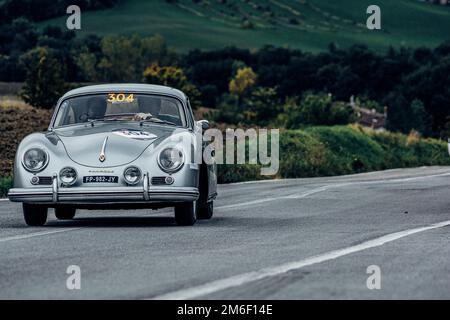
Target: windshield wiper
(156, 120)
(92, 121)
(141, 122)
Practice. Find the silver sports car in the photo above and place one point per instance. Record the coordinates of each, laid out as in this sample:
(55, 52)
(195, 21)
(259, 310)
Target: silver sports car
(116, 146)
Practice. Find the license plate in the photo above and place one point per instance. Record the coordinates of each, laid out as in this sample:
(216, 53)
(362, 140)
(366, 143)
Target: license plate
(101, 179)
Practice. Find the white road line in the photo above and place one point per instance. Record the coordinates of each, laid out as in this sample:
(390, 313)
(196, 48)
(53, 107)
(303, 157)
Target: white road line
(248, 203)
(337, 178)
(36, 234)
(292, 196)
(44, 233)
(4, 199)
(245, 278)
(316, 190)
(324, 188)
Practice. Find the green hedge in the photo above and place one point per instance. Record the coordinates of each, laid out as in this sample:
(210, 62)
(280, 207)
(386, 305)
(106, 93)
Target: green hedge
(336, 150)
(5, 184)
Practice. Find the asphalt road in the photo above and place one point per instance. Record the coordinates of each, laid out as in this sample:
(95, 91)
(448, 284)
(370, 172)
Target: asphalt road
(286, 239)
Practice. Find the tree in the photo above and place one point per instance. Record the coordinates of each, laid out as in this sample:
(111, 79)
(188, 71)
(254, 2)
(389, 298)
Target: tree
(244, 80)
(87, 64)
(202, 67)
(420, 119)
(124, 58)
(173, 77)
(317, 110)
(312, 110)
(262, 106)
(398, 108)
(44, 80)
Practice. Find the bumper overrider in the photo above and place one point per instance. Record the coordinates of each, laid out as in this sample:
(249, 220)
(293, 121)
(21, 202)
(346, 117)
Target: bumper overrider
(145, 193)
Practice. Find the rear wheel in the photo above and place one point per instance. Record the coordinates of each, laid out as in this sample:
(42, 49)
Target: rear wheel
(204, 208)
(186, 213)
(65, 213)
(34, 214)
(206, 211)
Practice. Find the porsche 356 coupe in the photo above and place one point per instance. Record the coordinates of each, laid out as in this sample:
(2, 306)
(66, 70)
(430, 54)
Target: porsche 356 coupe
(116, 146)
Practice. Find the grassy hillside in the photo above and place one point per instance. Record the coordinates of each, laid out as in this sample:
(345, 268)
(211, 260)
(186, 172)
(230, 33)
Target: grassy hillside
(305, 24)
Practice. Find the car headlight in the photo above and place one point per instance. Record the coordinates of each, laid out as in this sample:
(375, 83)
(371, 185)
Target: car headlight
(171, 159)
(35, 159)
(132, 175)
(68, 176)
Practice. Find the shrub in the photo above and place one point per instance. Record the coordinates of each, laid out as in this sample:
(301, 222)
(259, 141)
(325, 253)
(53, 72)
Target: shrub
(228, 111)
(351, 150)
(5, 185)
(242, 82)
(302, 155)
(262, 106)
(238, 173)
(317, 110)
(15, 123)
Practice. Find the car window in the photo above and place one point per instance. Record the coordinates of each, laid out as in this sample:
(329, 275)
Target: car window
(191, 113)
(121, 107)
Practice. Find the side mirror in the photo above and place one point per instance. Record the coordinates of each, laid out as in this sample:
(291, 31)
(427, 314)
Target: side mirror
(448, 146)
(204, 124)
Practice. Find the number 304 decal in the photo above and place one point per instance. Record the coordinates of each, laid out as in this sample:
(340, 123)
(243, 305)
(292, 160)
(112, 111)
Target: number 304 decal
(120, 97)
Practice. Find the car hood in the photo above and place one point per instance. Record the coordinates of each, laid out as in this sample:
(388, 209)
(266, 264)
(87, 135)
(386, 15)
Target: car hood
(119, 144)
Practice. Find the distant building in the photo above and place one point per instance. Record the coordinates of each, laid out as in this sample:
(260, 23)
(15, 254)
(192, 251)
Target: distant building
(371, 118)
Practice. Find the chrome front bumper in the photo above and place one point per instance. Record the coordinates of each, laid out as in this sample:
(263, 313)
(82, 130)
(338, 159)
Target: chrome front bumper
(146, 193)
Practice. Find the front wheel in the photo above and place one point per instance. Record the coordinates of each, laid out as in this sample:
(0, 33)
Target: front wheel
(65, 213)
(34, 215)
(186, 213)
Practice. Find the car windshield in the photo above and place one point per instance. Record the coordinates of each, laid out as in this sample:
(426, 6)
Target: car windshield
(121, 107)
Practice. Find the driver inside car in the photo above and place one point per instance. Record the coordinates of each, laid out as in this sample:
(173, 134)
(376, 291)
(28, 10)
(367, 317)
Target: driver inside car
(151, 108)
(96, 108)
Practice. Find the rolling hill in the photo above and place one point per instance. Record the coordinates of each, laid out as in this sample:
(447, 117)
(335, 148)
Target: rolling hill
(306, 24)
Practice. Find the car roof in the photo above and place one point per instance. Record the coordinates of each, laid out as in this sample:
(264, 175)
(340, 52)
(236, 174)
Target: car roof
(125, 87)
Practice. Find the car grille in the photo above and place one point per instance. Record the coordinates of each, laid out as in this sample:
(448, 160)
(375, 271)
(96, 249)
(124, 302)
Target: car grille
(45, 181)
